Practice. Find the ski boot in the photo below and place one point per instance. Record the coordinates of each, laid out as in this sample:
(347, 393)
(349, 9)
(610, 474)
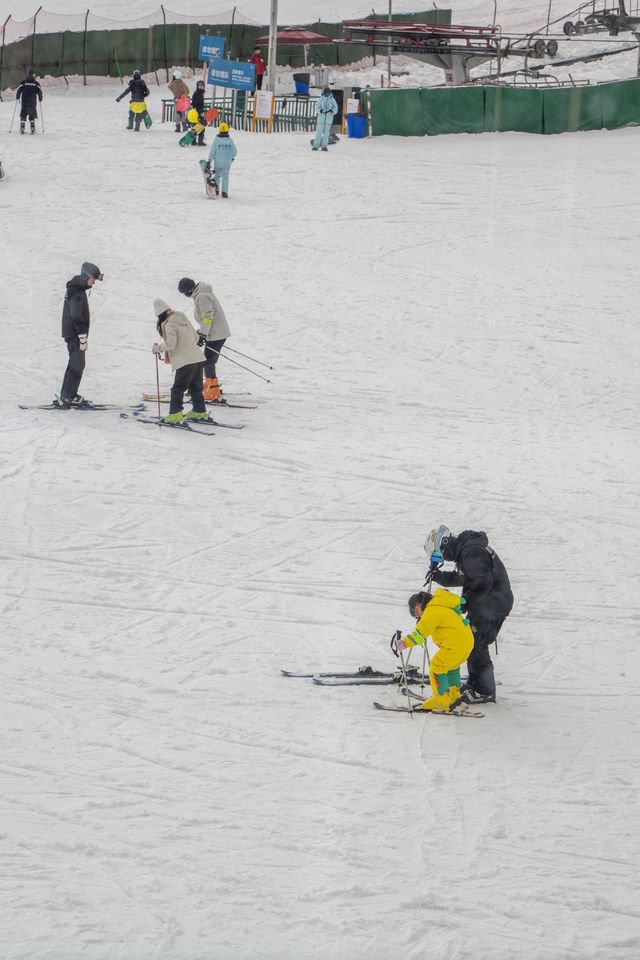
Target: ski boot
(173, 417)
(225, 195)
(33, 127)
(211, 391)
(439, 701)
(22, 125)
(193, 415)
(80, 402)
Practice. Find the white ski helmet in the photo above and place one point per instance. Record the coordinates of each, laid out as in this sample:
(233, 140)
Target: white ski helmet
(177, 75)
(433, 539)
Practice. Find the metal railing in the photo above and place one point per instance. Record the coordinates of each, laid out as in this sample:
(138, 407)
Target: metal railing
(291, 114)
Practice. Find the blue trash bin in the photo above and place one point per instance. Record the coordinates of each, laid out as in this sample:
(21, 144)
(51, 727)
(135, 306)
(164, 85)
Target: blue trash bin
(356, 126)
(302, 81)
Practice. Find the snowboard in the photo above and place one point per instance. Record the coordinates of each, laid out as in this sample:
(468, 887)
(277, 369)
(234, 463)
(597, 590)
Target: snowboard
(333, 138)
(148, 121)
(1, 172)
(209, 182)
(196, 128)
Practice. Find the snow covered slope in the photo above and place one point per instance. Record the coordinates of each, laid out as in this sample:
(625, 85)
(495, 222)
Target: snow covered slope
(452, 323)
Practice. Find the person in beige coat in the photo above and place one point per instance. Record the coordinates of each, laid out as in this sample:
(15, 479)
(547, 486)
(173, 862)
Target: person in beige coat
(212, 327)
(180, 342)
(179, 89)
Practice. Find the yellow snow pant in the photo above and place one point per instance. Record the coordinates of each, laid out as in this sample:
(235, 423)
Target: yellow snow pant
(448, 659)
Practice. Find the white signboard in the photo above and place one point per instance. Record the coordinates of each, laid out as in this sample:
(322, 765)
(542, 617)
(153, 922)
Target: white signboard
(353, 105)
(263, 107)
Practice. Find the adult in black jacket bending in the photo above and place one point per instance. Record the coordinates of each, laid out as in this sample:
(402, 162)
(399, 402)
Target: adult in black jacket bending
(75, 331)
(487, 591)
(137, 107)
(29, 92)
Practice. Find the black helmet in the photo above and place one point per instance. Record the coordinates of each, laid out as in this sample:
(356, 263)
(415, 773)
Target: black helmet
(327, 90)
(200, 83)
(186, 286)
(136, 74)
(449, 547)
(90, 270)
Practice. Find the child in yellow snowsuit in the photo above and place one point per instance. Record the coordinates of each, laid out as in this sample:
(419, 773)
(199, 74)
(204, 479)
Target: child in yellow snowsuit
(441, 617)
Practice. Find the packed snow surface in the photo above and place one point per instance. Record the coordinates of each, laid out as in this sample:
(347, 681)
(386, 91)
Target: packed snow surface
(452, 327)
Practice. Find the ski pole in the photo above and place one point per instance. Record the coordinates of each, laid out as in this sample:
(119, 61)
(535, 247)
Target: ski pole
(425, 655)
(247, 357)
(158, 386)
(248, 369)
(406, 685)
(394, 646)
(13, 115)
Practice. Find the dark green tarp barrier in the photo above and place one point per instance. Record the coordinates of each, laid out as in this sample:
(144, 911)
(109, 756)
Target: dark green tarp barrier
(511, 108)
(579, 108)
(620, 103)
(453, 110)
(397, 111)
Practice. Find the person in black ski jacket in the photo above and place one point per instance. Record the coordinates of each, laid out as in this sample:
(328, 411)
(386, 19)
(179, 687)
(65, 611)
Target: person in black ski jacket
(197, 103)
(29, 92)
(75, 331)
(137, 107)
(487, 591)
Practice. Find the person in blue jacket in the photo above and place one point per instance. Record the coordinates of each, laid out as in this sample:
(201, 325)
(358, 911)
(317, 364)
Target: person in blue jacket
(221, 156)
(326, 109)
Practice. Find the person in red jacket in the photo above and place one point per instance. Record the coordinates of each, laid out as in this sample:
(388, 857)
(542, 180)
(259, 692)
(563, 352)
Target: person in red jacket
(260, 65)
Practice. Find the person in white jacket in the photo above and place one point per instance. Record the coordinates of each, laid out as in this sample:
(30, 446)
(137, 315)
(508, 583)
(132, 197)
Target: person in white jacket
(212, 326)
(181, 343)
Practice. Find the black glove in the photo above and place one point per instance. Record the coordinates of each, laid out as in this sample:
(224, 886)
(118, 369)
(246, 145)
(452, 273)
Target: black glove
(394, 641)
(201, 339)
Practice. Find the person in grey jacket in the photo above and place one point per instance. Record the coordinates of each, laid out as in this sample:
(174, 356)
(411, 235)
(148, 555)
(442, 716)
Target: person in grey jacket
(212, 326)
(181, 343)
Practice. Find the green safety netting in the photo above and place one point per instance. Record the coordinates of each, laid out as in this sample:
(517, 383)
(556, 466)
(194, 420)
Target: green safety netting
(620, 103)
(102, 52)
(579, 108)
(510, 108)
(398, 112)
(453, 110)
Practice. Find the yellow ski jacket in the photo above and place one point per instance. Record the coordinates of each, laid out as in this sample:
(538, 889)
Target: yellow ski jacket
(443, 621)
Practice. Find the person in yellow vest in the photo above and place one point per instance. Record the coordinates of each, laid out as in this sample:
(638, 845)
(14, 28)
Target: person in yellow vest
(440, 616)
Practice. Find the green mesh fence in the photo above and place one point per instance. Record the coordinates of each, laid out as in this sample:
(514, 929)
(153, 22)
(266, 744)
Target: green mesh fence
(509, 108)
(160, 47)
(475, 109)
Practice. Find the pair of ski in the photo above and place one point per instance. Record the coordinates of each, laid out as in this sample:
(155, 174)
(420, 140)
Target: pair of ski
(89, 406)
(364, 677)
(164, 398)
(191, 425)
(367, 676)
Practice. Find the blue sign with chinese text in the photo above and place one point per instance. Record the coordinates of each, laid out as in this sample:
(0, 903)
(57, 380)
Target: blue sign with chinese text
(211, 48)
(231, 73)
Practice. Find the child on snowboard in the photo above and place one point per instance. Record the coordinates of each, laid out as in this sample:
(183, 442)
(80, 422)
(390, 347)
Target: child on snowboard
(221, 156)
(440, 617)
